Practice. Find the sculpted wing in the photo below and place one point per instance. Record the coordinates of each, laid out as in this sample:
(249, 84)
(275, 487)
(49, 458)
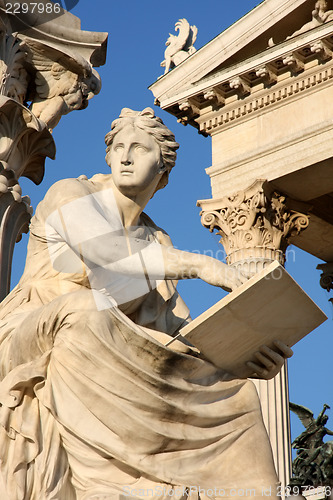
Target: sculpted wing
(191, 38)
(304, 414)
(63, 81)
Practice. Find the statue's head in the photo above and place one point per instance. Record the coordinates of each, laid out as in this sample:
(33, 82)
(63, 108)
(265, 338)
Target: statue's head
(147, 121)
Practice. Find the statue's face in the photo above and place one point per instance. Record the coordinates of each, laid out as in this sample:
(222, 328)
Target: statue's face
(135, 161)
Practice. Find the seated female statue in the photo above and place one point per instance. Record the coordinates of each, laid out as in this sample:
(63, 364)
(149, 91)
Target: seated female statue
(93, 403)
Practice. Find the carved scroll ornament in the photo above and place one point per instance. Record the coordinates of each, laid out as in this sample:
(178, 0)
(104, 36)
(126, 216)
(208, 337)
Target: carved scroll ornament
(253, 224)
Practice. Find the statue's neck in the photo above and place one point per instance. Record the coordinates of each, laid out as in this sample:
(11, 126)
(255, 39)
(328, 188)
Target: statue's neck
(130, 207)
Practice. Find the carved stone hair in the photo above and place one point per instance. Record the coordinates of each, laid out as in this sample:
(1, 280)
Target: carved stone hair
(154, 126)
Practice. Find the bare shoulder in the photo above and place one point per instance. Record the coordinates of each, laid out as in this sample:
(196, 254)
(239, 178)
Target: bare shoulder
(67, 190)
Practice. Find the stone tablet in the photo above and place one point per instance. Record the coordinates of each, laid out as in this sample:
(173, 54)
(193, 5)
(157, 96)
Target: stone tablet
(270, 306)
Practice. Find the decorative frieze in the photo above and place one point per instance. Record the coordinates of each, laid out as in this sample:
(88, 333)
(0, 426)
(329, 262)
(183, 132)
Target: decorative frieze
(254, 225)
(254, 84)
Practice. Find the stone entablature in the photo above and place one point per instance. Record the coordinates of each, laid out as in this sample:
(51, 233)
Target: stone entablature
(278, 73)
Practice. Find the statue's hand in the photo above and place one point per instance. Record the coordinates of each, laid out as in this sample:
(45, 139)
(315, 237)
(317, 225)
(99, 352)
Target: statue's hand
(219, 274)
(269, 361)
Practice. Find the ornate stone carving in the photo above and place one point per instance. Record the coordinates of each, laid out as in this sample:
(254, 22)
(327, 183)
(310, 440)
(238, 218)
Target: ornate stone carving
(326, 279)
(254, 225)
(215, 95)
(267, 75)
(13, 76)
(320, 15)
(49, 68)
(322, 50)
(63, 82)
(15, 213)
(240, 85)
(294, 63)
(46, 71)
(320, 77)
(25, 141)
(179, 47)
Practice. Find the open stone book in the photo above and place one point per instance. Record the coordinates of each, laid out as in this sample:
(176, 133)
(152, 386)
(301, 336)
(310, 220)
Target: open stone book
(269, 306)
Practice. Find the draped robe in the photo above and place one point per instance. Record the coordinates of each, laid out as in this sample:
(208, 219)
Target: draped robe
(93, 405)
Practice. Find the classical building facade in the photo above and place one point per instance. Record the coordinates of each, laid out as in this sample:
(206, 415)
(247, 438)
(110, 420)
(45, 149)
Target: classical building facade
(262, 91)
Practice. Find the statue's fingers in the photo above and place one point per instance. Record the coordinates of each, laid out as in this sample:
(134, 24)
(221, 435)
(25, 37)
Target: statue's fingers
(277, 358)
(286, 351)
(267, 362)
(257, 369)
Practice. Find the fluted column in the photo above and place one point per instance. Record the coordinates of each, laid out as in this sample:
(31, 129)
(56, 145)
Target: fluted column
(274, 398)
(254, 225)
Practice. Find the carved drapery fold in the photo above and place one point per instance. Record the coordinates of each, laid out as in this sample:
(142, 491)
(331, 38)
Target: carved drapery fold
(254, 224)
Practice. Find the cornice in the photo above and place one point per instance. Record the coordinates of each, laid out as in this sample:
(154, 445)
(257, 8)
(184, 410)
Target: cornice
(292, 67)
(266, 99)
(226, 44)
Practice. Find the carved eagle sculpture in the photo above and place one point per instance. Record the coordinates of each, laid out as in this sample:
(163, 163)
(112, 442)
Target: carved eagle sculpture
(179, 47)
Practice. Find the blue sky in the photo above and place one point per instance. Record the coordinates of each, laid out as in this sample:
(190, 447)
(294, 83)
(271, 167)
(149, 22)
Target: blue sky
(138, 30)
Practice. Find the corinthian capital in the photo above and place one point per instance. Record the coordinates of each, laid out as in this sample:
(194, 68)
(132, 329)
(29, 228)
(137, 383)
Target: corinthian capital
(254, 224)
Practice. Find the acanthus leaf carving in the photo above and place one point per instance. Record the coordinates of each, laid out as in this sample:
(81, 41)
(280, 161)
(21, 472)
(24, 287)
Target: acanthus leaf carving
(253, 224)
(25, 141)
(13, 76)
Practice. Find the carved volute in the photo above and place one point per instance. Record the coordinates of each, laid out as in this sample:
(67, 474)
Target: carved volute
(254, 225)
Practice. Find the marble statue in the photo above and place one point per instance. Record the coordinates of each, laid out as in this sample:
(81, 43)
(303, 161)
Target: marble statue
(179, 47)
(94, 405)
